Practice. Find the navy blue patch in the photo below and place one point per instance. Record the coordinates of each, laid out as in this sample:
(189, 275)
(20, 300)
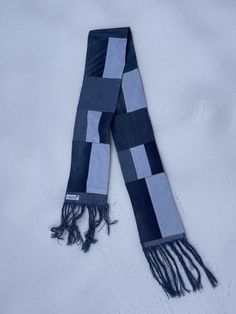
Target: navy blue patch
(132, 129)
(153, 157)
(119, 32)
(80, 126)
(80, 157)
(104, 127)
(147, 224)
(96, 56)
(127, 165)
(121, 108)
(99, 94)
(131, 60)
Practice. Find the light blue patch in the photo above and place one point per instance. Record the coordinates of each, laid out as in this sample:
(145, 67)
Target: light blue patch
(98, 174)
(133, 91)
(141, 162)
(115, 58)
(92, 134)
(164, 205)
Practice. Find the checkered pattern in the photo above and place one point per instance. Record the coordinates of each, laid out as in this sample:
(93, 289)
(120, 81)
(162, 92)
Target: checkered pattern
(112, 99)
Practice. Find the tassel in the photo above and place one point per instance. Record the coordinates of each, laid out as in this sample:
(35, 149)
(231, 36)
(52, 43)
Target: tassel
(71, 213)
(169, 260)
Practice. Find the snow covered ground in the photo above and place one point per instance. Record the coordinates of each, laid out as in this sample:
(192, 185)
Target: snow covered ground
(186, 53)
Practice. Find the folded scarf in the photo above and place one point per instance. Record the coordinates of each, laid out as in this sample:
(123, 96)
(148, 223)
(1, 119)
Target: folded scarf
(112, 98)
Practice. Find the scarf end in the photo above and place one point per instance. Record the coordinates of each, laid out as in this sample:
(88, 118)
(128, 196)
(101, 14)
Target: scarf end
(71, 214)
(174, 262)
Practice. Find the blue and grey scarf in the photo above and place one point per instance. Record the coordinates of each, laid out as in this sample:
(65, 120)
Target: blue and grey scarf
(112, 98)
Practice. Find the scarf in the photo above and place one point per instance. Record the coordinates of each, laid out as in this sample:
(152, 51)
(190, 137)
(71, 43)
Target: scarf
(112, 98)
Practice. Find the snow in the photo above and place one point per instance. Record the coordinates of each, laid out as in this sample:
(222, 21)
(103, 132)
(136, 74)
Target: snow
(186, 55)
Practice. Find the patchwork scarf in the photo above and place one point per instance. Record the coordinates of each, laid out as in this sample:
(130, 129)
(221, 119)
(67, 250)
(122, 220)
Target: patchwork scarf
(112, 98)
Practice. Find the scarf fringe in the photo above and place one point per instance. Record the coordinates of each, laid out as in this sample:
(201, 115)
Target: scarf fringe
(168, 260)
(71, 214)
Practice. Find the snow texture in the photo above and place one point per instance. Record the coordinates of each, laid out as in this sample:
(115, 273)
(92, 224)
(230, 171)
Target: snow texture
(186, 54)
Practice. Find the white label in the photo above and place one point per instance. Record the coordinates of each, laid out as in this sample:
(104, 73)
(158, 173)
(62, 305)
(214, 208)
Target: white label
(72, 197)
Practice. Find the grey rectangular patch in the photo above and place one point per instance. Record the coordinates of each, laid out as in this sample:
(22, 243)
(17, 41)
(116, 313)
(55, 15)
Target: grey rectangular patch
(164, 240)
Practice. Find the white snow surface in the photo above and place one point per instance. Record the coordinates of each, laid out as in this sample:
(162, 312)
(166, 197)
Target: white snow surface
(186, 54)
